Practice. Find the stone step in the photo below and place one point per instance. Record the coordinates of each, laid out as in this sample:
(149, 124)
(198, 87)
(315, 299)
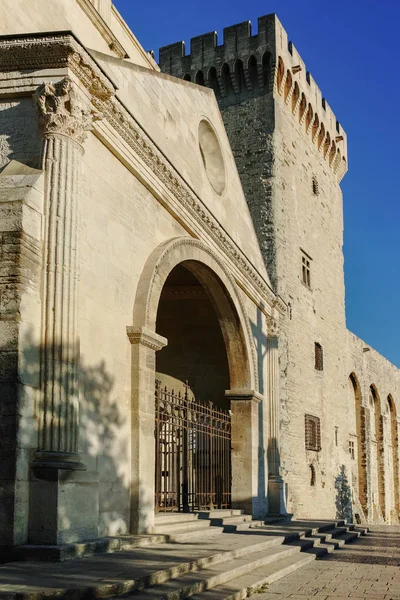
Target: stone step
(215, 574)
(220, 513)
(183, 536)
(256, 581)
(245, 526)
(175, 517)
(171, 527)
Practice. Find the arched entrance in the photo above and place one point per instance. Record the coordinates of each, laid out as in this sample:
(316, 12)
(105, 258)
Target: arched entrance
(225, 355)
(193, 422)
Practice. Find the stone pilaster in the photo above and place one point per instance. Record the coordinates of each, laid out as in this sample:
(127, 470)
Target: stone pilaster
(246, 493)
(276, 504)
(65, 115)
(145, 344)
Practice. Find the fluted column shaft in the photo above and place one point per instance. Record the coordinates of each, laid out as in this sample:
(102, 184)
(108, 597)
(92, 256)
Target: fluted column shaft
(276, 500)
(65, 115)
(60, 356)
(273, 389)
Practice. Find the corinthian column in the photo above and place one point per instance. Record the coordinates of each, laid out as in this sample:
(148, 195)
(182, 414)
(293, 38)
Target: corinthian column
(275, 482)
(65, 115)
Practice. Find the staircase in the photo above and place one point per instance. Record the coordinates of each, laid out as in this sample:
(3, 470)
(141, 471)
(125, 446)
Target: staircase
(216, 555)
(244, 562)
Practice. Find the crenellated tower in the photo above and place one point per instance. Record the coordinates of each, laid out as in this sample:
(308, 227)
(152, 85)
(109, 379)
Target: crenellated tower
(254, 76)
(291, 154)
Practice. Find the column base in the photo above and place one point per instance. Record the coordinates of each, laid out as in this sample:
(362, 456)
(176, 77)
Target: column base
(63, 505)
(276, 495)
(69, 461)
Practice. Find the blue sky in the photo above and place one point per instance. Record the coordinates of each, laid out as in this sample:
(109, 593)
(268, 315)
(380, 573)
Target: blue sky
(352, 50)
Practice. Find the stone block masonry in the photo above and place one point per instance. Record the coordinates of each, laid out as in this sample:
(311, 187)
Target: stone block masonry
(291, 154)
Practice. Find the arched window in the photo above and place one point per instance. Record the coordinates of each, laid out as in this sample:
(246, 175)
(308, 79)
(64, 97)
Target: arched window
(253, 72)
(239, 76)
(213, 81)
(288, 85)
(355, 397)
(303, 106)
(295, 96)
(280, 74)
(199, 78)
(187, 77)
(226, 80)
(266, 66)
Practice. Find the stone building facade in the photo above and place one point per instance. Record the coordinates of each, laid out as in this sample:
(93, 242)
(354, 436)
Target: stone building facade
(291, 154)
(131, 253)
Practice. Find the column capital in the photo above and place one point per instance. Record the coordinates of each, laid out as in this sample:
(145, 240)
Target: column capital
(273, 326)
(65, 110)
(244, 395)
(146, 337)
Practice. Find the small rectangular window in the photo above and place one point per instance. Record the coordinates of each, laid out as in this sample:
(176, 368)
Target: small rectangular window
(312, 433)
(306, 270)
(351, 450)
(336, 435)
(319, 357)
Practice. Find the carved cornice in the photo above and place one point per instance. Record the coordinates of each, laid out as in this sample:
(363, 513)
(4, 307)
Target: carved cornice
(137, 139)
(102, 27)
(244, 395)
(63, 109)
(145, 337)
(52, 51)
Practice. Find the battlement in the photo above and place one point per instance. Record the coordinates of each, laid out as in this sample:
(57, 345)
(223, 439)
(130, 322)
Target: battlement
(247, 65)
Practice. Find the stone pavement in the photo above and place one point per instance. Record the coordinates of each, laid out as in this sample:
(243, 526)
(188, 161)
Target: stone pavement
(369, 569)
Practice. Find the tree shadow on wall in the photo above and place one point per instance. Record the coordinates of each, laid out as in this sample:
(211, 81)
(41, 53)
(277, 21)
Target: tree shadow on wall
(344, 499)
(104, 435)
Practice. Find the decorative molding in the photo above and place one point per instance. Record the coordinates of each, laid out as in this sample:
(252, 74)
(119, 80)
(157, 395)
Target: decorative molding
(141, 144)
(113, 43)
(244, 395)
(154, 285)
(145, 337)
(64, 110)
(54, 51)
(62, 50)
(273, 326)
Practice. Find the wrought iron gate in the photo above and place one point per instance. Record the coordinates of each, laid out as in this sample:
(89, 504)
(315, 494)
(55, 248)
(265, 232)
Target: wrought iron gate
(193, 453)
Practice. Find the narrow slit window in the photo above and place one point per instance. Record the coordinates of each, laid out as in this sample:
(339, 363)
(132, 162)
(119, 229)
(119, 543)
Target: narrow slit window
(319, 357)
(312, 475)
(351, 450)
(315, 186)
(306, 270)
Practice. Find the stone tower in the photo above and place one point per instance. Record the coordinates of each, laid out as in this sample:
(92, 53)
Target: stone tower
(291, 154)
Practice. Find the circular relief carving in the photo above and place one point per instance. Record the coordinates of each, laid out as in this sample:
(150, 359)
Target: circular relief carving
(211, 155)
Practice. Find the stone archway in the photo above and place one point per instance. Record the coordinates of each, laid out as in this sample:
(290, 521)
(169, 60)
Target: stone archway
(377, 452)
(355, 390)
(221, 289)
